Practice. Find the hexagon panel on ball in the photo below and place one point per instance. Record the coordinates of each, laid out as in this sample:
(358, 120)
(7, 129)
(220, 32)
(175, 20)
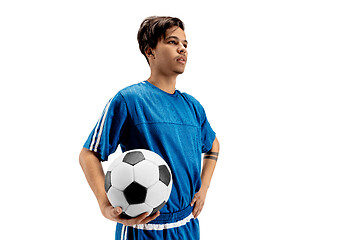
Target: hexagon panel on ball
(146, 173)
(156, 194)
(122, 176)
(137, 209)
(117, 198)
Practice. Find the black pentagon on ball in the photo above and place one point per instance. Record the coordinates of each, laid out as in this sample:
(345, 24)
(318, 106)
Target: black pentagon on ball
(164, 175)
(135, 193)
(124, 215)
(133, 158)
(107, 181)
(158, 208)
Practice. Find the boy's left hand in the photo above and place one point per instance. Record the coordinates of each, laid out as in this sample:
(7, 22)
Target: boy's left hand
(199, 201)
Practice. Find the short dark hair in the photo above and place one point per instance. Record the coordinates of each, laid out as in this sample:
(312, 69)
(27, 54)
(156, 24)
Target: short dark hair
(153, 28)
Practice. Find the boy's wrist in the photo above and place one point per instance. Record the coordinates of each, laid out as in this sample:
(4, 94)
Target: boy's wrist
(104, 205)
(205, 186)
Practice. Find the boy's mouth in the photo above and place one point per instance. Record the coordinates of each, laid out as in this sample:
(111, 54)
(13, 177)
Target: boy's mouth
(181, 60)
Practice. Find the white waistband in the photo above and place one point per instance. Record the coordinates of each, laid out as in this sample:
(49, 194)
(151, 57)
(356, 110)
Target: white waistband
(164, 226)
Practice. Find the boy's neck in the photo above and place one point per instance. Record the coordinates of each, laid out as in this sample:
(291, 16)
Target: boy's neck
(165, 83)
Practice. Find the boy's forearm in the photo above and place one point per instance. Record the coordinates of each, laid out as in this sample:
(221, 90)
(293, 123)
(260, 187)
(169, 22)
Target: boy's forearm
(209, 160)
(94, 174)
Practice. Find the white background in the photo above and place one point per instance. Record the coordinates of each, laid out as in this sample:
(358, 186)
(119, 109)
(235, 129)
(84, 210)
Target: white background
(279, 81)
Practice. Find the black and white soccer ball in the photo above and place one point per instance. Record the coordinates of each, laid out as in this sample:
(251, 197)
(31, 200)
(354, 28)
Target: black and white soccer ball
(138, 181)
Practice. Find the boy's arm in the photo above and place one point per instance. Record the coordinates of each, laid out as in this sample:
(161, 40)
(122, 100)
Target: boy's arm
(94, 174)
(209, 163)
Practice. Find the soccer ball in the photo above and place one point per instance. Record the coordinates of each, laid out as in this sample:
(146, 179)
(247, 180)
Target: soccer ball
(138, 181)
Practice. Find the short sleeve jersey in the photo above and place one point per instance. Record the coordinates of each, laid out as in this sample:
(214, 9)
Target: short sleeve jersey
(174, 126)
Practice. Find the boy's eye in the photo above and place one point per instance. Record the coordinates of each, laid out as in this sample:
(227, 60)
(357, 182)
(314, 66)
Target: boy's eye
(175, 43)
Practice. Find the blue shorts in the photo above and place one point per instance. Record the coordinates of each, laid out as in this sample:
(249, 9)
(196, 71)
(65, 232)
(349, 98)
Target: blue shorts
(169, 226)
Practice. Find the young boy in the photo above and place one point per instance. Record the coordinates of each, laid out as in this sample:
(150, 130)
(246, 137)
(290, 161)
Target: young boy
(154, 115)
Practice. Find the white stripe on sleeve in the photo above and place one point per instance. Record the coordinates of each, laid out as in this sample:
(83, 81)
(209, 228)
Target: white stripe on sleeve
(92, 148)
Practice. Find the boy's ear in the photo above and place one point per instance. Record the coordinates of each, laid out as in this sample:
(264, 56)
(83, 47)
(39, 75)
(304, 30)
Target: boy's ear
(149, 52)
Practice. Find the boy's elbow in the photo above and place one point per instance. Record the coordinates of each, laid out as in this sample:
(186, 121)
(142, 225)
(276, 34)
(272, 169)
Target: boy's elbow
(86, 154)
(82, 157)
(216, 144)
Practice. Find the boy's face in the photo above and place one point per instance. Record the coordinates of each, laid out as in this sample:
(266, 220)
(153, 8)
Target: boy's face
(170, 54)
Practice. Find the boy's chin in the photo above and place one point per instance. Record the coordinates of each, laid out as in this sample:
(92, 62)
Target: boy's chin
(178, 71)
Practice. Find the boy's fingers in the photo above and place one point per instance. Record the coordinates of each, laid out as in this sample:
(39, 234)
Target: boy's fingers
(116, 211)
(150, 218)
(193, 201)
(198, 208)
(141, 218)
(196, 212)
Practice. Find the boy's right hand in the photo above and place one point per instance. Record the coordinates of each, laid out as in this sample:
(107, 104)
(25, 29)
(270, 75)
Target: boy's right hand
(114, 214)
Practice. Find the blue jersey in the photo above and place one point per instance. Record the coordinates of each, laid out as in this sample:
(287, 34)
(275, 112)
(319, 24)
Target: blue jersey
(172, 125)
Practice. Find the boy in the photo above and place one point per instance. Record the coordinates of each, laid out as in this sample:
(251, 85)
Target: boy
(154, 115)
